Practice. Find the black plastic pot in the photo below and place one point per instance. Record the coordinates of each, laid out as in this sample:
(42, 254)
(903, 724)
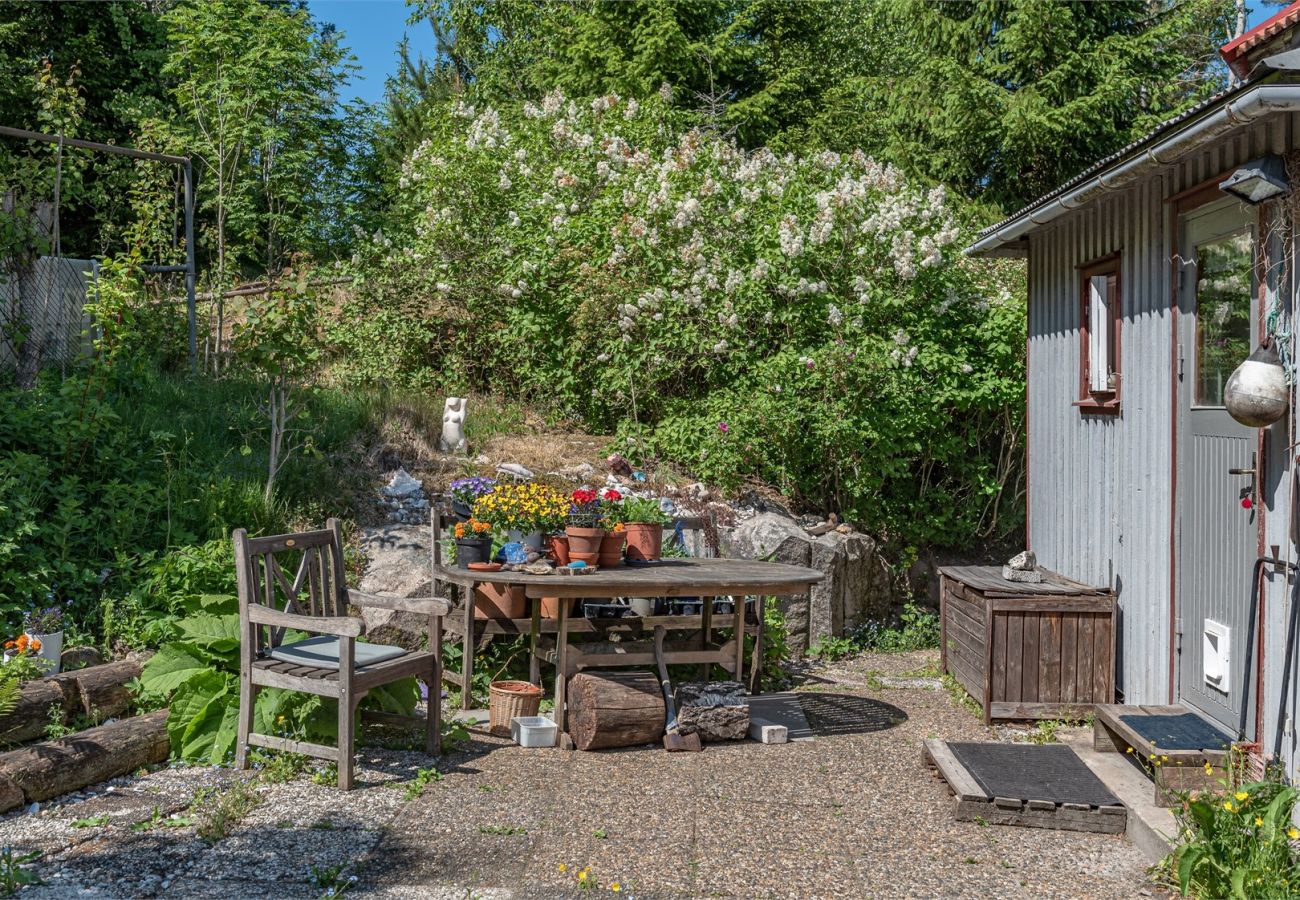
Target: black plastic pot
(470, 550)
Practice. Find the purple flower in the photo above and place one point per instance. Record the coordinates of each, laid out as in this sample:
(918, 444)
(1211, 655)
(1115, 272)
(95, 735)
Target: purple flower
(809, 365)
(723, 427)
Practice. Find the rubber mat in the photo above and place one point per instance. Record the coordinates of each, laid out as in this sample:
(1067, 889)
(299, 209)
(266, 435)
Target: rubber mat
(1051, 772)
(1185, 731)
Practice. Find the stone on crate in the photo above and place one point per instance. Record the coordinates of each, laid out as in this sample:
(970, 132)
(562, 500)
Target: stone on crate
(1033, 576)
(715, 710)
(1025, 561)
(453, 426)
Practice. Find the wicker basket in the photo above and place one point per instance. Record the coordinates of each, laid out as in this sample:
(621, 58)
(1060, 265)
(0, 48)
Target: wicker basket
(508, 699)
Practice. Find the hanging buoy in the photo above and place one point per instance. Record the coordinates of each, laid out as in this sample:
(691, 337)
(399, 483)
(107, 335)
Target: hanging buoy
(1256, 394)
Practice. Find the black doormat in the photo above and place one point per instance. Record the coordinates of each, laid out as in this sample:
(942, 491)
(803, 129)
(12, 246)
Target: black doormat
(1051, 772)
(1185, 731)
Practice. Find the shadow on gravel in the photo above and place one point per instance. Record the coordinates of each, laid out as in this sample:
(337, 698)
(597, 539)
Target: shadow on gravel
(831, 714)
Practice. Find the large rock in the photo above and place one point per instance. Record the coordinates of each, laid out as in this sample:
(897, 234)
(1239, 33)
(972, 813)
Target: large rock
(856, 586)
(400, 565)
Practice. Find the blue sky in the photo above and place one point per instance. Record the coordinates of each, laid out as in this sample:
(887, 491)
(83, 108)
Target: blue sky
(372, 29)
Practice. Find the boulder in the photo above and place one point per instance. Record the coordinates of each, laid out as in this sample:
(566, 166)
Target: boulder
(400, 565)
(856, 587)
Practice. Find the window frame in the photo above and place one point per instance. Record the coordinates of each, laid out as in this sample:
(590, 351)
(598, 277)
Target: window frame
(1108, 400)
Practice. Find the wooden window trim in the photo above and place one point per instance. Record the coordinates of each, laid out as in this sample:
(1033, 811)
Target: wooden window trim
(1108, 401)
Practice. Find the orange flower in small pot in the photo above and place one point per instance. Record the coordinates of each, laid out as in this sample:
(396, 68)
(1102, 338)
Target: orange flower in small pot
(584, 530)
(473, 542)
(645, 529)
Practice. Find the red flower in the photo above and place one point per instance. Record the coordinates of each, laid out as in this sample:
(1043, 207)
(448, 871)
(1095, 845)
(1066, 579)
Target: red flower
(612, 495)
(582, 497)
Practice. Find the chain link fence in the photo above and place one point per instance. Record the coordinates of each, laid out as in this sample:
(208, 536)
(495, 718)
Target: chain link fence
(43, 320)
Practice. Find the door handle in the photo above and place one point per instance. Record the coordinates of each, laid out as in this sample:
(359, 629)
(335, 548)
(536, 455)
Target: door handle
(1241, 471)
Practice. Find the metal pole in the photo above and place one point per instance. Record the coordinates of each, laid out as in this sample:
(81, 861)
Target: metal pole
(91, 145)
(190, 307)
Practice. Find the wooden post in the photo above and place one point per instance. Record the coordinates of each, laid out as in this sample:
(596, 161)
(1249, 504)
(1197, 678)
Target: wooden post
(756, 662)
(347, 736)
(247, 647)
(467, 649)
(738, 630)
(561, 666)
(535, 630)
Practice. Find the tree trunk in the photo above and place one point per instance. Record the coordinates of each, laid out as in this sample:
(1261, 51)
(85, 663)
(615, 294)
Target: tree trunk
(619, 709)
(52, 768)
(99, 692)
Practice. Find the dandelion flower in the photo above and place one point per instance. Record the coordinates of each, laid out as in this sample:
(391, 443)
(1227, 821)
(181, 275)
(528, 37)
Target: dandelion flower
(563, 867)
(1227, 804)
(1241, 796)
(582, 876)
(616, 887)
(1209, 769)
(1293, 833)
(1258, 821)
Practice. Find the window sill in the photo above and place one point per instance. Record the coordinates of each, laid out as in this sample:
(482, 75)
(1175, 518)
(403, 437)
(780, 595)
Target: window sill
(1098, 405)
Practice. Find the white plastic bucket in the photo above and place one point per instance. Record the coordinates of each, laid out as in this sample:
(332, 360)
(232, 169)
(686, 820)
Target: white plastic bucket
(533, 731)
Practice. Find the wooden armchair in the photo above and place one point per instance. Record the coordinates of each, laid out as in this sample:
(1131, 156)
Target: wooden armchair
(332, 663)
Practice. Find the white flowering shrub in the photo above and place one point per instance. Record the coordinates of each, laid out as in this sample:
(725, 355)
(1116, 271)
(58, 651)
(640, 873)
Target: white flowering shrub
(804, 320)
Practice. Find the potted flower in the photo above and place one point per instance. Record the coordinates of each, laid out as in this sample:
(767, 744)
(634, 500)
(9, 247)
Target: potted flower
(23, 645)
(473, 542)
(45, 627)
(523, 512)
(611, 514)
(583, 526)
(644, 521)
(466, 491)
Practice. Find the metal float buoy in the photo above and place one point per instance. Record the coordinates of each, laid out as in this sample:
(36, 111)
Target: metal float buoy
(1256, 394)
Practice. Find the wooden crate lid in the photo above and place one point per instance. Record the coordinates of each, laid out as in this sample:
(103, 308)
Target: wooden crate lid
(988, 580)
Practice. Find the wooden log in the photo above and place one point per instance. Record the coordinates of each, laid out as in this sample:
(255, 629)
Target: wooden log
(31, 715)
(102, 690)
(52, 768)
(615, 709)
(715, 710)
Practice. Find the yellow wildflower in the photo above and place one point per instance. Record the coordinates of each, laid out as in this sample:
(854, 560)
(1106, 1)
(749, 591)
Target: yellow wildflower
(582, 876)
(1209, 769)
(563, 867)
(1129, 750)
(1227, 804)
(1241, 796)
(616, 887)
(1293, 833)
(1258, 821)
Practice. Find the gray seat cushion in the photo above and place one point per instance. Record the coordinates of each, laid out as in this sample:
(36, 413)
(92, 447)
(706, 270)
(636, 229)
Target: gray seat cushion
(323, 653)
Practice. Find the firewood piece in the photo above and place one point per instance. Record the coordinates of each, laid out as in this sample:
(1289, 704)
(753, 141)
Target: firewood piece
(52, 768)
(102, 690)
(615, 709)
(716, 710)
(30, 716)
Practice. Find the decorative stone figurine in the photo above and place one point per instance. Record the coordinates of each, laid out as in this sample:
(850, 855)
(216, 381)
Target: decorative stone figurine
(453, 426)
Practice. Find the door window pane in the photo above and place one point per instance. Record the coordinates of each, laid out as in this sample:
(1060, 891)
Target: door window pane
(1224, 285)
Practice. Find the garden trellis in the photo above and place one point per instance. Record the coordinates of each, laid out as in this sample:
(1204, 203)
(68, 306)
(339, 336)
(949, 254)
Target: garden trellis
(42, 320)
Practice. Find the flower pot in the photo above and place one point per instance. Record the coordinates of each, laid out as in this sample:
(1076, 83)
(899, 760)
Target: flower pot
(611, 550)
(645, 542)
(499, 601)
(584, 544)
(472, 550)
(560, 549)
(533, 539)
(551, 606)
(462, 510)
(51, 650)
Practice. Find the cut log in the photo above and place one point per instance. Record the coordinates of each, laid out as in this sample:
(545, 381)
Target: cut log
(615, 709)
(715, 710)
(52, 768)
(30, 716)
(102, 690)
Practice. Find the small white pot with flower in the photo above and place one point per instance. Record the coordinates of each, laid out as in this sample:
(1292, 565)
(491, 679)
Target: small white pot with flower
(46, 626)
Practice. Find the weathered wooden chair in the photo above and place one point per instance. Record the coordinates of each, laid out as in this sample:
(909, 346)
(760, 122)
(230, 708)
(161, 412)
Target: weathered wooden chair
(332, 663)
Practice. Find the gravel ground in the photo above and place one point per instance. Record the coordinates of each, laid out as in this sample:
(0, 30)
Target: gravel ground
(852, 814)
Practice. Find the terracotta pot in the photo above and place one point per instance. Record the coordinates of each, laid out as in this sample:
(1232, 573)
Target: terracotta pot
(584, 544)
(645, 542)
(551, 606)
(560, 549)
(500, 601)
(471, 550)
(611, 550)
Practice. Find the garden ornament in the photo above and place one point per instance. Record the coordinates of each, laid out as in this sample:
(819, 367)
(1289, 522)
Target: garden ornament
(1256, 394)
(453, 426)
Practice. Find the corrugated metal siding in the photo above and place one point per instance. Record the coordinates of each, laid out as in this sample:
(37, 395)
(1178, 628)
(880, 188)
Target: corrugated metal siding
(1099, 486)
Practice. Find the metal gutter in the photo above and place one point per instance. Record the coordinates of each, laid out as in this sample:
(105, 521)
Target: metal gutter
(1242, 109)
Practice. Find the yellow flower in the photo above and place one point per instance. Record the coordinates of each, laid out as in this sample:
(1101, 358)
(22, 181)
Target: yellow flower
(1293, 833)
(616, 887)
(1209, 769)
(1241, 796)
(1164, 759)
(1129, 750)
(563, 867)
(582, 876)
(1258, 821)
(1227, 804)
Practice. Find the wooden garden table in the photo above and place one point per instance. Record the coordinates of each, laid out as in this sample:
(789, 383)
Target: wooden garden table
(690, 577)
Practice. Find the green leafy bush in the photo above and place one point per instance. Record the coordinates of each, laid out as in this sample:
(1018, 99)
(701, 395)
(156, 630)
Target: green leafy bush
(806, 320)
(1239, 843)
(917, 629)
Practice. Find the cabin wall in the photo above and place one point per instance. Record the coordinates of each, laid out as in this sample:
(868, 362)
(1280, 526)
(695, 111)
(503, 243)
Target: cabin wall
(1100, 487)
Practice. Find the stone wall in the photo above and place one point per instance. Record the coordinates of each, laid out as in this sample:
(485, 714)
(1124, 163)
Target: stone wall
(857, 586)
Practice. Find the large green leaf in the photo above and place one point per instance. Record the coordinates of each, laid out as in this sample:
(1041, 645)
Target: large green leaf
(398, 698)
(219, 634)
(201, 710)
(1187, 861)
(172, 666)
(219, 604)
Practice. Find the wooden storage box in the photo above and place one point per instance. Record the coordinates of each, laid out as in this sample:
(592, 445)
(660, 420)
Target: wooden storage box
(1027, 651)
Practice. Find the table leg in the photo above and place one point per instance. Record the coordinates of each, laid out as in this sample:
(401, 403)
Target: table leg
(706, 632)
(561, 667)
(534, 664)
(467, 650)
(738, 633)
(756, 664)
